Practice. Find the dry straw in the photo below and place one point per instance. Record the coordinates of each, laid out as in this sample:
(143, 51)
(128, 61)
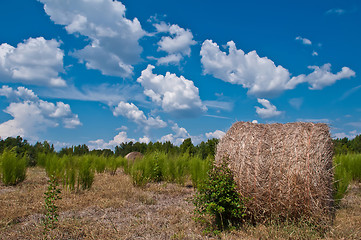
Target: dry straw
(134, 156)
(284, 169)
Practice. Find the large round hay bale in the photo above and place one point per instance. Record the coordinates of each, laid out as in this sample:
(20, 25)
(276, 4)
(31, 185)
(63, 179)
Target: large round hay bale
(132, 156)
(284, 169)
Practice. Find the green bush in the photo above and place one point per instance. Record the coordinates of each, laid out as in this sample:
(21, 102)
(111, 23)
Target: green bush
(13, 168)
(218, 198)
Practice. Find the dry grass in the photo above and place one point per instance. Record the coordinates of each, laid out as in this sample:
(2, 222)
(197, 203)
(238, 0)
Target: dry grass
(114, 209)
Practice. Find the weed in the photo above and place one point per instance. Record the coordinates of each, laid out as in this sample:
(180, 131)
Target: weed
(217, 197)
(51, 210)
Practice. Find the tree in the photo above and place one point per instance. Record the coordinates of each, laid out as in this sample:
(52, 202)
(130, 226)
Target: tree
(187, 146)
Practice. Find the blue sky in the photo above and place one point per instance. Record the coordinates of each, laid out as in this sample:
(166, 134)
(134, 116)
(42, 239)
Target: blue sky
(102, 72)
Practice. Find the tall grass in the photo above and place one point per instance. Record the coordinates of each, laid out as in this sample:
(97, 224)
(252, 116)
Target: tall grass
(347, 168)
(75, 172)
(13, 168)
(113, 163)
(352, 164)
(86, 172)
(160, 166)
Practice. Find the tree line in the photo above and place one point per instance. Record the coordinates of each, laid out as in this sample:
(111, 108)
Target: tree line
(24, 148)
(345, 145)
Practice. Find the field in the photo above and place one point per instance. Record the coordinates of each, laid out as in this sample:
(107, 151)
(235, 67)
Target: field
(113, 208)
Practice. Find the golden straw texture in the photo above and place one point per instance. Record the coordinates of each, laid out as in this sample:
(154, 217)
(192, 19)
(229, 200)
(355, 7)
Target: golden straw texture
(284, 169)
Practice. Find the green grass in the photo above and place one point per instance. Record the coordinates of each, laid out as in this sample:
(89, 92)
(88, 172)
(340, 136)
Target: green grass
(347, 168)
(160, 166)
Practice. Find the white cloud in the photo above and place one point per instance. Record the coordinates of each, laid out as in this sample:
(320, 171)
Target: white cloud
(314, 53)
(170, 59)
(349, 135)
(36, 61)
(296, 102)
(144, 139)
(32, 115)
(336, 11)
(121, 137)
(178, 137)
(114, 46)
(259, 75)
(304, 41)
(176, 95)
(216, 134)
(314, 120)
(177, 45)
(109, 94)
(223, 105)
(132, 112)
(320, 77)
(354, 124)
(269, 110)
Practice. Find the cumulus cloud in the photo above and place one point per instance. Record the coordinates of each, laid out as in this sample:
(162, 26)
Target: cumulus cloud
(132, 112)
(178, 137)
(304, 41)
(114, 46)
(320, 77)
(216, 134)
(259, 75)
(32, 115)
(314, 53)
(121, 137)
(269, 110)
(36, 61)
(176, 95)
(177, 45)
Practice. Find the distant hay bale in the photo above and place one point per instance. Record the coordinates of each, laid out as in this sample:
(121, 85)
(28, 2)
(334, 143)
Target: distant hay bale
(134, 156)
(284, 169)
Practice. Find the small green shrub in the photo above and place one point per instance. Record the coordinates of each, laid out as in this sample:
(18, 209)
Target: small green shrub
(218, 198)
(154, 166)
(52, 194)
(13, 168)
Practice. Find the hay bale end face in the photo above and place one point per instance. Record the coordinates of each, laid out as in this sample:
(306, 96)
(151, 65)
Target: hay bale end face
(284, 169)
(132, 156)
